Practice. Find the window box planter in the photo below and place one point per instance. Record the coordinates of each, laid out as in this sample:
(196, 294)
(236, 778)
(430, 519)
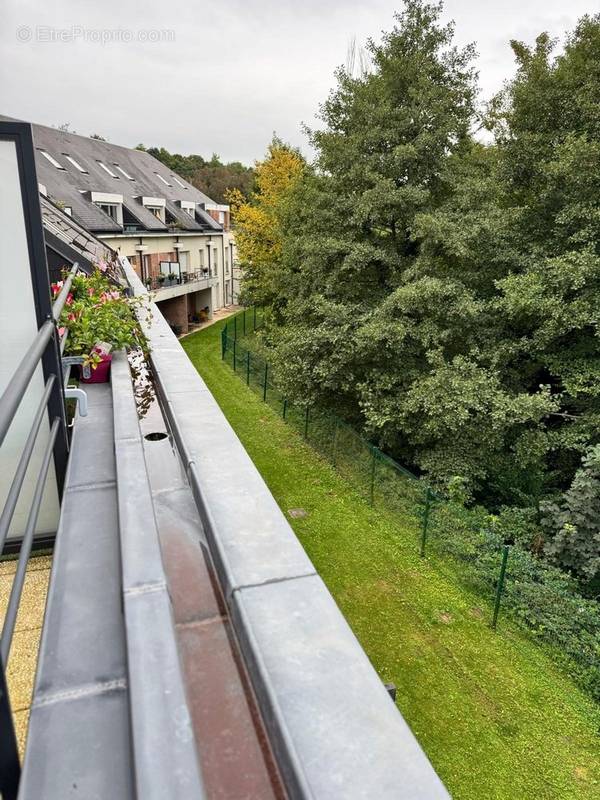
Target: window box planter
(99, 374)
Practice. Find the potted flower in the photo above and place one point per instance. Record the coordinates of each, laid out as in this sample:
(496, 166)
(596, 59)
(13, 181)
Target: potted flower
(161, 279)
(99, 319)
(172, 278)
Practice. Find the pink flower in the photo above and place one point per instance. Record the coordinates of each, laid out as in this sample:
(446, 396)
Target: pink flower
(102, 265)
(71, 317)
(61, 332)
(69, 300)
(90, 291)
(56, 287)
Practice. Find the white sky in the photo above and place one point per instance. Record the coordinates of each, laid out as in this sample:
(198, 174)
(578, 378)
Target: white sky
(233, 72)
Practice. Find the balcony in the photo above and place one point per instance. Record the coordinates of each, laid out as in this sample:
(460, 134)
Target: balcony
(166, 287)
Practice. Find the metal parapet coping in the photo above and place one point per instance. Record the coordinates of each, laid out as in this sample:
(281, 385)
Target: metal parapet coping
(331, 723)
(164, 749)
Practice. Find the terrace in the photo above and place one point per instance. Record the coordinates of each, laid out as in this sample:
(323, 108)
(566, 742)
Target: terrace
(189, 648)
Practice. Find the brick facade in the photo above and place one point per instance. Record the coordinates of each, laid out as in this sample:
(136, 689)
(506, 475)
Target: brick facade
(175, 311)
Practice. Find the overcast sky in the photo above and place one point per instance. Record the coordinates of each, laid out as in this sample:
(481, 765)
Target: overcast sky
(223, 75)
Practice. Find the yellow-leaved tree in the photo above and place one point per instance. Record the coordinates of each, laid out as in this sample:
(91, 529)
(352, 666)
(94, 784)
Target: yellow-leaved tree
(257, 221)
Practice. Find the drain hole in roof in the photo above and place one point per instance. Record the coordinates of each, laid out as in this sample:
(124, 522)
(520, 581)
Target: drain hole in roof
(156, 436)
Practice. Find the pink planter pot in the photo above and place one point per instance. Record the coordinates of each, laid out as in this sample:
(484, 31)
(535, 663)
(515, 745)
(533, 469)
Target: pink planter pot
(100, 374)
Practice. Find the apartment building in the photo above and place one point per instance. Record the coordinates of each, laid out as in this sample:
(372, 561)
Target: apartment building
(177, 239)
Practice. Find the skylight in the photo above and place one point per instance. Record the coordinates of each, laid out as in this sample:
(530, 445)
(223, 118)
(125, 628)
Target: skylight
(107, 169)
(125, 174)
(53, 161)
(76, 164)
(162, 179)
(183, 186)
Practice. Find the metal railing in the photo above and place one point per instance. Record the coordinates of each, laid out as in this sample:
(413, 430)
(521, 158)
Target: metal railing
(157, 282)
(46, 338)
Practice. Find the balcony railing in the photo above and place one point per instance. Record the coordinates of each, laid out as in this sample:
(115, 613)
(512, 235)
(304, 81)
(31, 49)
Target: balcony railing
(45, 340)
(157, 282)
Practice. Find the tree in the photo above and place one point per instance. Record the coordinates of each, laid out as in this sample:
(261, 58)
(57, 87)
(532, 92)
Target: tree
(257, 221)
(573, 524)
(211, 177)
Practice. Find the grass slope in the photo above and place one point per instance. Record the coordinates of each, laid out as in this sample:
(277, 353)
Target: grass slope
(497, 719)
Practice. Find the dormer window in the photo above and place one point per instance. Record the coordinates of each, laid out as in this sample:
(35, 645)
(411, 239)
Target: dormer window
(123, 173)
(52, 160)
(188, 207)
(108, 169)
(156, 206)
(75, 163)
(109, 208)
(111, 204)
(164, 180)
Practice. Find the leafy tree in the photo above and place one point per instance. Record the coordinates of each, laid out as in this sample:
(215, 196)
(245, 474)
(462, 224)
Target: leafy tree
(257, 221)
(573, 524)
(212, 177)
(440, 293)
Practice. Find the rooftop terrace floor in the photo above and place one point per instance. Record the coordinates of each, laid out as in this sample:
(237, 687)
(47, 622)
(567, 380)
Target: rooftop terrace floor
(26, 640)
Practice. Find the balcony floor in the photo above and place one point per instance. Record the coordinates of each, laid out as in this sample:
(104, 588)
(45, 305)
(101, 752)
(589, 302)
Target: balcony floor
(26, 639)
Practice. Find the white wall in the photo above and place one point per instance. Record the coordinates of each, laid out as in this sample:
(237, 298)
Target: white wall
(125, 246)
(18, 327)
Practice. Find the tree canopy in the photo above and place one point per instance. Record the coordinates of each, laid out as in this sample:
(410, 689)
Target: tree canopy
(443, 294)
(212, 176)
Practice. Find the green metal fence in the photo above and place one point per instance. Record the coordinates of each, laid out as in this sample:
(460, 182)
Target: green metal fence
(480, 555)
(466, 543)
(380, 479)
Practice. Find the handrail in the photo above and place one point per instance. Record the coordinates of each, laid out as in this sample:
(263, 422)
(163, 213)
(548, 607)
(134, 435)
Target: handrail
(10, 401)
(13, 493)
(19, 579)
(13, 395)
(61, 299)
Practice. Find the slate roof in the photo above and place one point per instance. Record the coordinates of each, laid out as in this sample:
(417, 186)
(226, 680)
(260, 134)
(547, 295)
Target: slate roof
(71, 241)
(72, 187)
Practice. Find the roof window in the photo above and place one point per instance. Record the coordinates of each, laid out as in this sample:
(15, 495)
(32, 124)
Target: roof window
(123, 173)
(108, 169)
(75, 163)
(52, 160)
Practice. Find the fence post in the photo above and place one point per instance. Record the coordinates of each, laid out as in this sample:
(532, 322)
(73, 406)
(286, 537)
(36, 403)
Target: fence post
(223, 342)
(265, 385)
(248, 368)
(372, 486)
(235, 327)
(244, 321)
(500, 585)
(254, 310)
(234, 344)
(334, 446)
(425, 521)
(306, 413)
(284, 411)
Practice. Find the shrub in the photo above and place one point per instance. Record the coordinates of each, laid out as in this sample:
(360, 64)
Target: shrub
(541, 597)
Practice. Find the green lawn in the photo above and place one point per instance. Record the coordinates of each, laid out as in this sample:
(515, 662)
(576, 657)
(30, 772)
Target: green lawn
(497, 719)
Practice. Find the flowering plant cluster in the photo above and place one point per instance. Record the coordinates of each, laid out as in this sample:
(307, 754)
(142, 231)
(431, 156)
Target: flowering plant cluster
(96, 312)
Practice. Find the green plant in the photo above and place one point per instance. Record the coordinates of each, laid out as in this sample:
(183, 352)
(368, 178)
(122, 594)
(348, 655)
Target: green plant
(96, 311)
(573, 523)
